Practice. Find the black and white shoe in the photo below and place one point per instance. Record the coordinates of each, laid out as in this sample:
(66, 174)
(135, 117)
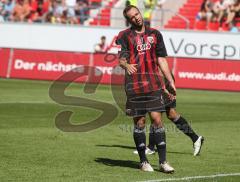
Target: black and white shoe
(197, 145)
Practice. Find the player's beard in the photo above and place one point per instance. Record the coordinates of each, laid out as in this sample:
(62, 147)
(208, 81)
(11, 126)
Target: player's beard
(138, 26)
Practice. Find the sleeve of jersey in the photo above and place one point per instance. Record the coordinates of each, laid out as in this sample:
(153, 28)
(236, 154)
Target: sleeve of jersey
(160, 47)
(123, 51)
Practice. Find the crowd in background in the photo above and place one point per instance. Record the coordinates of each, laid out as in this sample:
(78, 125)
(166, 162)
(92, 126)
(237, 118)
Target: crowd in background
(221, 11)
(48, 11)
(77, 11)
(58, 11)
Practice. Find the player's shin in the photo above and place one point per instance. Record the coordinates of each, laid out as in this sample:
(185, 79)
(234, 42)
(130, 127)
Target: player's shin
(140, 142)
(184, 126)
(160, 139)
(151, 138)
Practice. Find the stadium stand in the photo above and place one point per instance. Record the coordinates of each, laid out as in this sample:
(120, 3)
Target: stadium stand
(188, 10)
(55, 11)
(207, 15)
(104, 15)
(215, 15)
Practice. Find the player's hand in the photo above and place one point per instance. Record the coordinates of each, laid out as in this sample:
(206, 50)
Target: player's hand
(173, 89)
(170, 96)
(131, 68)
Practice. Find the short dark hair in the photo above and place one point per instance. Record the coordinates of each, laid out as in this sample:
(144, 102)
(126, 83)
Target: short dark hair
(127, 9)
(103, 37)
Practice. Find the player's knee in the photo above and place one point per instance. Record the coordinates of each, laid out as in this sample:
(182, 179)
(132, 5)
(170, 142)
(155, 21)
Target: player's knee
(139, 126)
(170, 117)
(140, 122)
(173, 116)
(158, 123)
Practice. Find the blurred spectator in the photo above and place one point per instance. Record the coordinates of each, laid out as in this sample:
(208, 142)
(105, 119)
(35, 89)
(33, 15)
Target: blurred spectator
(233, 11)
(8, 9)
(102, 46)
(1, 11)
(160, 3)
(132, 2)
(59, 13)
(57, 9)
(64, 18)
(225, 13)
(205, 11)
(148, 9)
(70, 5)
(82, 10)
(39, 10)
(49, 17)
(21, 11)
(220, 9)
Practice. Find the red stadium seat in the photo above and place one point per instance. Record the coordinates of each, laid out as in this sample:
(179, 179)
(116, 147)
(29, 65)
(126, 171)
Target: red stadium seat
(225, 27)
(200, 25)
(95, 1)
(238, 24)
(213, 26)
(105, 22)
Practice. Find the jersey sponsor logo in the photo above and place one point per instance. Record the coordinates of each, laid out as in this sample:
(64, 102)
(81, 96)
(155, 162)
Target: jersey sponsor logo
(143, 47)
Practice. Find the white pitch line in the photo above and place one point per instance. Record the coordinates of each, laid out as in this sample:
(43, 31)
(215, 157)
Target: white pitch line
(28, 102)
(193, 177)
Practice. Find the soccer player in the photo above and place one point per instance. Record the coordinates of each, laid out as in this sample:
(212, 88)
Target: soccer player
(142, 53)
(179, 121)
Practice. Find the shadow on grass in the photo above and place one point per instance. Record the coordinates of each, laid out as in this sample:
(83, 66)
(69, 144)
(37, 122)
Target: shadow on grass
(181, 153)
(134, 148)
(118, 146)
(119, 163)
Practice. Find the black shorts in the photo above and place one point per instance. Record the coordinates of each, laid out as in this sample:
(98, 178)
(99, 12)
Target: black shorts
(169, 103)
(141, 104)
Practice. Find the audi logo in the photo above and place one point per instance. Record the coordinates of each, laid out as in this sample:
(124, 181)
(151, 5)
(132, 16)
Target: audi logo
(143, 47)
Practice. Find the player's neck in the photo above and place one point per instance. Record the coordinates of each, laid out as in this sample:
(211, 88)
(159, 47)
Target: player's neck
(140, 29)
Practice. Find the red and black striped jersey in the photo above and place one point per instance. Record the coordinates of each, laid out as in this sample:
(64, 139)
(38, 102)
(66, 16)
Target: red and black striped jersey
(142, 49)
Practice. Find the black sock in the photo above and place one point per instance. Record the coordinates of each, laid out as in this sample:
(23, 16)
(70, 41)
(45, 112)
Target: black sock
(160, 139)
(183, 125)
(140, 142)
(151, 138)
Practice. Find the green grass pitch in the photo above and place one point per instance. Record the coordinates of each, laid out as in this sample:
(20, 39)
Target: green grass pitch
(32, 148)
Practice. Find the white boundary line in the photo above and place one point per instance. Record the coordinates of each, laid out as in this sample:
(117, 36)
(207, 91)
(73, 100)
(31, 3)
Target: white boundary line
(193, 177)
